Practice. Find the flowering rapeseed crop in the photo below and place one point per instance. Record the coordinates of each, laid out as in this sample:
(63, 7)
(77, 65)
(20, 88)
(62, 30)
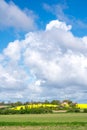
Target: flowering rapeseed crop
(34, 106)
(82, 106)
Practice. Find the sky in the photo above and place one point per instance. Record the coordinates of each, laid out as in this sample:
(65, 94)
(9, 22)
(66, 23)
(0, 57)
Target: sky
(43, 50)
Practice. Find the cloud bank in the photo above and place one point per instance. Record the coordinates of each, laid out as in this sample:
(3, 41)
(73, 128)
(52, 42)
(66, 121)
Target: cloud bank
(48, 64)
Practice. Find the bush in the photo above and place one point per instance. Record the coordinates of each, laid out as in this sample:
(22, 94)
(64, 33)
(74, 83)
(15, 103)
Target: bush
(85, 110)
(26, 111)
(73, 110)
(39, 110)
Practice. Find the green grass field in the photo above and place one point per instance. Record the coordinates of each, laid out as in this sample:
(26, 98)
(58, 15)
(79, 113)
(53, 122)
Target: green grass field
(60, 121)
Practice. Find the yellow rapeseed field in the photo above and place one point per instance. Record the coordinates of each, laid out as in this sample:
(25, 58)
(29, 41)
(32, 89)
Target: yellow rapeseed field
(34, 106)
(82, 106)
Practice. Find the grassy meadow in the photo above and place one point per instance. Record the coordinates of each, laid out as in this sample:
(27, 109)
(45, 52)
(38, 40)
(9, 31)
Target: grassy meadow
(41, 119)
(59, 121)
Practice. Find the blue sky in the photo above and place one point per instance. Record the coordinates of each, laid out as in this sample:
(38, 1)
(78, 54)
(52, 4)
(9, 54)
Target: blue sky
(44, 41)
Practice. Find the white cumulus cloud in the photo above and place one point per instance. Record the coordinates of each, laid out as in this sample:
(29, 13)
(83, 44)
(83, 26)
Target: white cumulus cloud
(59, 25)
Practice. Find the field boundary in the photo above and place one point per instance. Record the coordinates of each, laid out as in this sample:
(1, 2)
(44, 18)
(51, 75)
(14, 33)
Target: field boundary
(43, 123)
